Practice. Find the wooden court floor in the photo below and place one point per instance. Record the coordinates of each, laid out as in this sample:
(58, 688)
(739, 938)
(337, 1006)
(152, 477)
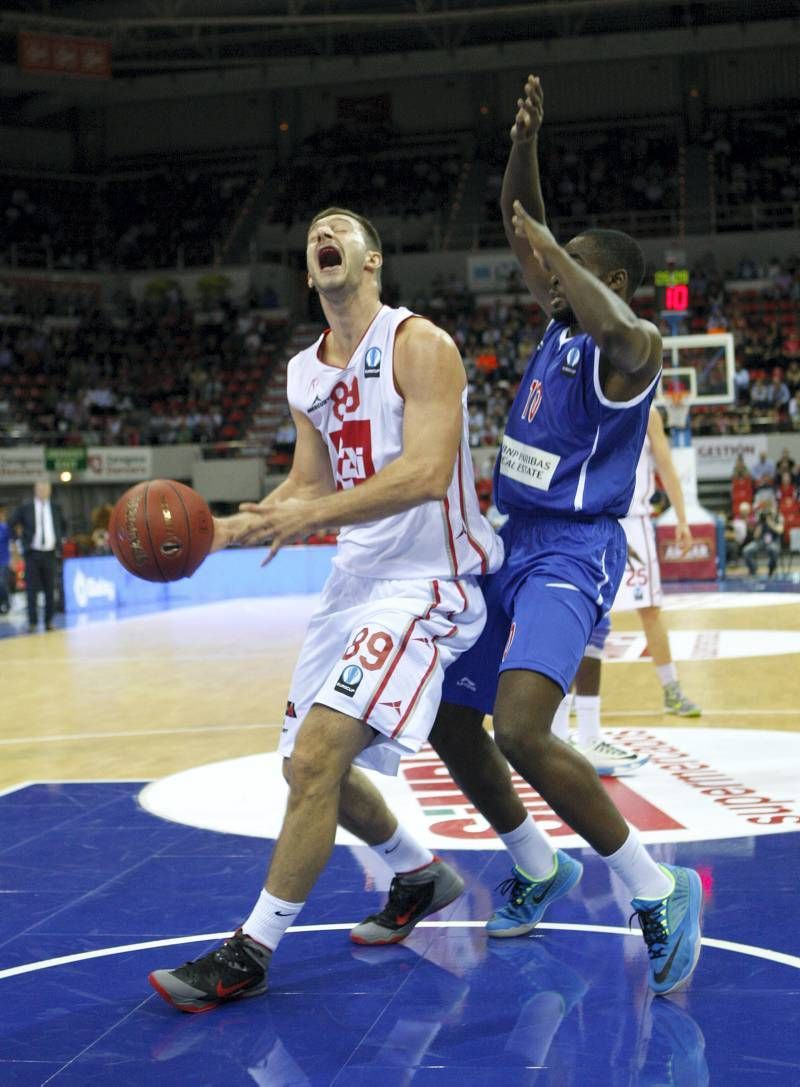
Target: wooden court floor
(143, 697)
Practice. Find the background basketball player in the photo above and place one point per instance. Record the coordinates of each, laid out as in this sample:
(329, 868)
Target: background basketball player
(640, 590)
(379, 403)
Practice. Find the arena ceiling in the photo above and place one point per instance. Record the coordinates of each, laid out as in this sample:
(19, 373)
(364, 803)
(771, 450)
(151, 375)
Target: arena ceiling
(151, 37)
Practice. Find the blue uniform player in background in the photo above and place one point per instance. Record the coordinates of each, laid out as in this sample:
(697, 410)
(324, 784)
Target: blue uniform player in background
(564, 475)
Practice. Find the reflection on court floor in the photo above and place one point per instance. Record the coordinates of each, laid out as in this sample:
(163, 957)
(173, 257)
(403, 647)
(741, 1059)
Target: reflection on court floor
(96, 891)
(566, 1006)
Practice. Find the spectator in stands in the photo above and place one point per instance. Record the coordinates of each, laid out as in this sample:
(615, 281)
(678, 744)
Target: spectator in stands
(285, 436)
(792, 376)
(791, 345)
(794, 411)
(765, 537)
(741, 484)
(760, 395)
(785, 464)
(780, 395)
(5, 560)
(737, 528)
(764, 472)
(741, 381)
(786, 488)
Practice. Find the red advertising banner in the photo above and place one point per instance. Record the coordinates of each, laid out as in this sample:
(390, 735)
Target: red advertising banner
(699, 563)
(87, 58)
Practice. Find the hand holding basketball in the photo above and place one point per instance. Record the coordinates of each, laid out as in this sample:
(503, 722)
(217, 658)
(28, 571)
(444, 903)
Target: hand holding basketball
(161, 530)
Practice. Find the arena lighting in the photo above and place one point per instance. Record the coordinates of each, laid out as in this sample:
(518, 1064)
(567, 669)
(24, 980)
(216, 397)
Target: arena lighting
(65, 477)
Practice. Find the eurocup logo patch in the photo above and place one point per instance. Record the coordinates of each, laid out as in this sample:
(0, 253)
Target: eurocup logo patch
(372, 362)
(569, 366)
(348, 681)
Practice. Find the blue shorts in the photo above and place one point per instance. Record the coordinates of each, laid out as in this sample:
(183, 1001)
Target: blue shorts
(558, 582)
(598, 637)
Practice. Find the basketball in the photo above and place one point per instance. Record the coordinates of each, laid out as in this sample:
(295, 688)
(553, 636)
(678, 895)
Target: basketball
(161, 530)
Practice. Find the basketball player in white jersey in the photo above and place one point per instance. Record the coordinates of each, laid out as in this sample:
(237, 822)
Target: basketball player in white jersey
(640, 590)
(379, 403)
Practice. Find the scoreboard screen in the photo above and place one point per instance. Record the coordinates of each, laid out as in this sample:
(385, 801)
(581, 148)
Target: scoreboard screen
(672, 290)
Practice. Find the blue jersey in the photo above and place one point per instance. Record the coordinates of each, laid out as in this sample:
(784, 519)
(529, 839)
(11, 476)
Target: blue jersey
(567, 449)
(5, 551)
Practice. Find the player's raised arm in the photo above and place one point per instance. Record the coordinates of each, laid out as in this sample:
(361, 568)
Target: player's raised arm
(430, 377)
(521, 181)
(669, 477)
(630, 347)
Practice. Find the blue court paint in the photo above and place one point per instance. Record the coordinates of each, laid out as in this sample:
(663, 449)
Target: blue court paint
(82, 867)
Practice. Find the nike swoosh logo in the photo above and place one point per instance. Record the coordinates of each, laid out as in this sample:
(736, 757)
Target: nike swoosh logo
(388, 851)
(538, 898)
(404, 918)
(662, 974)
(228, 990)
(289, 913)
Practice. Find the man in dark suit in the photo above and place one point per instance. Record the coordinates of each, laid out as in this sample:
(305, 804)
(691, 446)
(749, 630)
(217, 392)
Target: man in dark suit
(40, 524)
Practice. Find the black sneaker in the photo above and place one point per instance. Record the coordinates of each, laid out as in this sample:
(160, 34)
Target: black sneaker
(231, 972)
(412, 896)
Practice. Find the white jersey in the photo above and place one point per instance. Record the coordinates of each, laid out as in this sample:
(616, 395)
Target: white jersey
(359, 413)
(645, 485)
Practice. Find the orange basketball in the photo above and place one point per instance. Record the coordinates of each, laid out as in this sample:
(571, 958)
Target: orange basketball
(161, 530)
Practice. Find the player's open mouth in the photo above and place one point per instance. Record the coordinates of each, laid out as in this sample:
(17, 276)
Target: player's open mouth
(329, 257)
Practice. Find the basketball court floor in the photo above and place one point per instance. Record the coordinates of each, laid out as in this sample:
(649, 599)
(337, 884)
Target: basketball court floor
(140, 795)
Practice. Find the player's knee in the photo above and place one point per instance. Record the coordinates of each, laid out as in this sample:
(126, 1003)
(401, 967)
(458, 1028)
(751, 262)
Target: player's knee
(311, 773)
(455, 731)
(316, 765)
(518, 734)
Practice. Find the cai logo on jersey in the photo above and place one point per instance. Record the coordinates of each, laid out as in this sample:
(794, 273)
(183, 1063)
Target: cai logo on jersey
(372, 362)
(353, 445)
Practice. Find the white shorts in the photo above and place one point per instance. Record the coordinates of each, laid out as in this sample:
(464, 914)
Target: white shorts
(377, 651)
(641, 582)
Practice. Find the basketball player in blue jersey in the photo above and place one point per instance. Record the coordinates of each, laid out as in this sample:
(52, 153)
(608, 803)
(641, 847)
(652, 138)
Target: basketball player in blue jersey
(564, 476)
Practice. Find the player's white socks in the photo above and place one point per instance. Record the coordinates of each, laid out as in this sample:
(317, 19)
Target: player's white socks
(270, 918)
(402, 852)
(638, 871)
(667, 673)
(560, 725)
(588, 709)
(530, 849)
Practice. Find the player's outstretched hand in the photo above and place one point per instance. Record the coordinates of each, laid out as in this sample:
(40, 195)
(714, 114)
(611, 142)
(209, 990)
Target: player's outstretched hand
(530, 111)
(538, 236)
(280, 523)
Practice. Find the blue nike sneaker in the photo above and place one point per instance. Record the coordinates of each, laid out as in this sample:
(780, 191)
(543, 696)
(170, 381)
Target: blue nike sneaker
(671, 930)
(529, 898)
